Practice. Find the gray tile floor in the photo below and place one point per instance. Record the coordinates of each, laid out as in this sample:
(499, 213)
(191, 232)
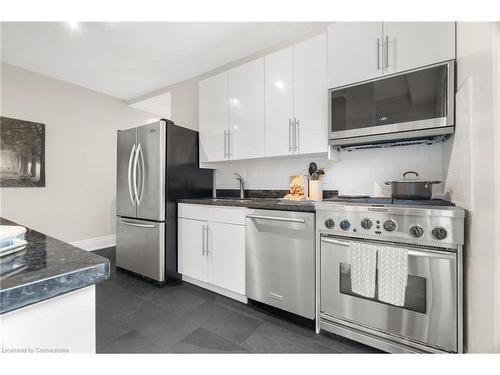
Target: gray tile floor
(134, 316)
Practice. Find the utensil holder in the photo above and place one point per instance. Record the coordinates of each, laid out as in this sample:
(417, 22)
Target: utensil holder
(316, 190)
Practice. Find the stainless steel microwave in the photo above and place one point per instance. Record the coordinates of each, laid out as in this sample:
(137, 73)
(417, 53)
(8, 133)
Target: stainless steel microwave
(418, 104)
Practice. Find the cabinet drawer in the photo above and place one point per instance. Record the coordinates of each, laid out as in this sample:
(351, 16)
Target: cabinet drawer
(217, 214)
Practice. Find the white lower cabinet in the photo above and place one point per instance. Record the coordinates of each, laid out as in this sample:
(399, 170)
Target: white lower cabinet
(192, 260)
(226, 256)
(211, 251)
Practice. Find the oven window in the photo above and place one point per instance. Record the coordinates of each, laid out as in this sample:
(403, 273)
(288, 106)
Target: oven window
(415, 96)
(415, 295)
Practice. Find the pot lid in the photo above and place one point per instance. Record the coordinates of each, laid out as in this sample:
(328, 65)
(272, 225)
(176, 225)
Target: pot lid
(414, 179)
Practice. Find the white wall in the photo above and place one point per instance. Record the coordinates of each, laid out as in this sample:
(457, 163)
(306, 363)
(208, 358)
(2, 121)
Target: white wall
(185, 104)
(357, 172)
(473, 175)
(78, 201)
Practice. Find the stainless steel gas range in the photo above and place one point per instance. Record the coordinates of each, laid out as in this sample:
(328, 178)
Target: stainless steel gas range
(427, 238)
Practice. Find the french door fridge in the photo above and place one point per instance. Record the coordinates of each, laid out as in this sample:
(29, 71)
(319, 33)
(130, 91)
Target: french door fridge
(157, 164)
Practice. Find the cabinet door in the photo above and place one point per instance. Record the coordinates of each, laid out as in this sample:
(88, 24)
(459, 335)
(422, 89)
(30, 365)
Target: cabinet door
(192, 260)
(310, 95)
(213, 112)
(279, 102)
(226, 254)
(416, 44)
(246, 110)
(354, 52)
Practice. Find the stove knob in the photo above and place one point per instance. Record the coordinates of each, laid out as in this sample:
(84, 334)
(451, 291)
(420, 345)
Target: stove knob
(389, 225)
(439, 233)
(366, 223)
(345, 225)
(329, 223)
(416, 231)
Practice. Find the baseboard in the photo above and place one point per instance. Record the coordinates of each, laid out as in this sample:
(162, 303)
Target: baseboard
(216, 289)
(97, 243)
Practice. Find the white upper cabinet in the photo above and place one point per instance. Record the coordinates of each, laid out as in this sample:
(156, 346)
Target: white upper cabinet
(279, 102)
(310, 95)
(273, 106)
(415, 44)
(354, 52)
(213, 112)
(360, 51)
(246, 111)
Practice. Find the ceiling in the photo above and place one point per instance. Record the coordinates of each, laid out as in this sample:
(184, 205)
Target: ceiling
(131, 59)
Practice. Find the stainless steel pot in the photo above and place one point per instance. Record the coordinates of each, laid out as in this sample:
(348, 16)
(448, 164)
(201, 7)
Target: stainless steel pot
(411, 188)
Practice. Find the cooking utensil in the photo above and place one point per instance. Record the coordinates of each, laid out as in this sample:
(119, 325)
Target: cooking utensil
(312, 168)
(315, 175)
(411, 188)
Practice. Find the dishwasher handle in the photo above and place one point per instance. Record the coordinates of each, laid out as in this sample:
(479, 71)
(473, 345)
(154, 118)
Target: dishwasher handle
(276, 218)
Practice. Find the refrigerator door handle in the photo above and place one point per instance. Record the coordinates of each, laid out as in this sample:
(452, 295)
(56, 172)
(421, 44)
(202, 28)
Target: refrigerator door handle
(143, 174)
(129, 177)
(134, 173)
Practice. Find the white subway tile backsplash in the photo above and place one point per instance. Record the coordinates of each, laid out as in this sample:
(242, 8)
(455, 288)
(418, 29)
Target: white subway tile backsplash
(356, 172)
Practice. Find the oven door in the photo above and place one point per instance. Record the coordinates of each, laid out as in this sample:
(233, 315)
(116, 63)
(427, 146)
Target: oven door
(429, 315)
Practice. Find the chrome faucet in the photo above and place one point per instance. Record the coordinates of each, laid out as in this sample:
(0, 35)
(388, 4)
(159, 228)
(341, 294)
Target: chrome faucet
(242, 185)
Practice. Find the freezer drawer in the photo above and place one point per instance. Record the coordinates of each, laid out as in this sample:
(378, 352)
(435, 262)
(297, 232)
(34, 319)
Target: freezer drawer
(280, 260)
(140, 247)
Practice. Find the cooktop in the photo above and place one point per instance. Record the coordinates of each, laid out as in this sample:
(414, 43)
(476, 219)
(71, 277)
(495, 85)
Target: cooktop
(388, 201)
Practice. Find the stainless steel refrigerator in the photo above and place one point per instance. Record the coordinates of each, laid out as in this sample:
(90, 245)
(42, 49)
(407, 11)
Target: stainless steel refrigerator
(157, 164)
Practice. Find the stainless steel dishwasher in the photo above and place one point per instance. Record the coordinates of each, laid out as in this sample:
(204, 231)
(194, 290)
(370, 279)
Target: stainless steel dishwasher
(280, 260)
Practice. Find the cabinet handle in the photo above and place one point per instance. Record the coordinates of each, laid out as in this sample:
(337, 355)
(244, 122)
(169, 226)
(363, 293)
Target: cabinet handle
(297, 136)
(203, 242)
(225, 144)
(207, 239)
(378, 53)
(229, 153)
(387, 51)
(290, 134)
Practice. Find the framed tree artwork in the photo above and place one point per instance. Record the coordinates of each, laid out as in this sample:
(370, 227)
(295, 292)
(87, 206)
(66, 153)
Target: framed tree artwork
(22, 158)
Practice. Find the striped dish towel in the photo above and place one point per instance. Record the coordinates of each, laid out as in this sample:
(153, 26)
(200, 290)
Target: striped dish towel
(392, 274)
(363, 261)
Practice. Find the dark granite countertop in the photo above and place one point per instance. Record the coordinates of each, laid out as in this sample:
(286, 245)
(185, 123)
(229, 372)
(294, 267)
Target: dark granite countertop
(50, 267)
(258, 203)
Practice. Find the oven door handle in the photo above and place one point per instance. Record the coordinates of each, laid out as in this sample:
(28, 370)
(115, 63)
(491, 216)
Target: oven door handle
(411, 252)
(431, 254)
(335, 242)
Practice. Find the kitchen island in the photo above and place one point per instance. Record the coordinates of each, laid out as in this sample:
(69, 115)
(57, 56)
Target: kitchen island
(48, 304)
